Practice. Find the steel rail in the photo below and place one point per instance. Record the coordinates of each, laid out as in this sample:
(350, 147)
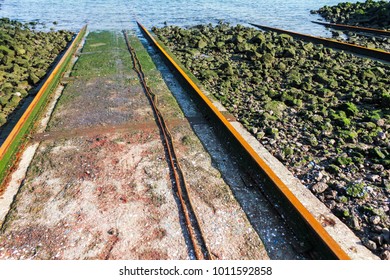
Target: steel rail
(374, 53)
(42, 93)
(310, 223)
(199, 244)
(354, 28)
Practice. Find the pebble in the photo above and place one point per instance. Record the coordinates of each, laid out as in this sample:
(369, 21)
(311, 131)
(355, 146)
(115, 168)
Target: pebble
(377, 228)
(385, 255)
(379, 239)
(331, 204)
(332, 195)
(375, 220)
(386, 235)
(374, 177)
(380, 122)
(369, 243)
(356, 223)
(319, 187)
(382, 135)
(318, 175)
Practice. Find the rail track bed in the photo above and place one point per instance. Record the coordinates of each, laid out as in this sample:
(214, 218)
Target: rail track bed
(100, 181)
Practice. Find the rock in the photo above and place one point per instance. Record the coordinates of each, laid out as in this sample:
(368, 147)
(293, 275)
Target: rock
(373, 177)
(319, 187)
(382, 135)
(276, 107)
(386, 235)
(318, 175)
(380, 122)
(288, 151)
(355, 223)
(349, 108)
(378, 239)
(356, 189)
(375, 220)
(259, 39)
(377, 167)
(308, 47)
(376, 152)
(343, 161)
(273, 132)
(289, 52)
(333, 169)
(286, 37)
(385, 255)
(260, 135)
(368, 75)
(369, 243)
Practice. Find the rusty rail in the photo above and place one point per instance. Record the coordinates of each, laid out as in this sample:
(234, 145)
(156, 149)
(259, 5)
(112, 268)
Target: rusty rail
(354, 28)
(195, 232)
(309, 223)
(373, 53)
(17, 136)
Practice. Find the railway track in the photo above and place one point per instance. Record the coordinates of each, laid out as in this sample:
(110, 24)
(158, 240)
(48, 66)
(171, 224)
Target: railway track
(195, 232)
(17, 137)
(257, 165)
(307, 227)
(355, 28)
(372, 53)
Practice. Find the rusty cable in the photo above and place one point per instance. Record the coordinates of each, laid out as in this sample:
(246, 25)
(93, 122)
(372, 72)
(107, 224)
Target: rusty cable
(199, 244)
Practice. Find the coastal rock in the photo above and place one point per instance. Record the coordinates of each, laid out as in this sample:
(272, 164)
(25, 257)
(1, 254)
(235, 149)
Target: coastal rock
(319, 187)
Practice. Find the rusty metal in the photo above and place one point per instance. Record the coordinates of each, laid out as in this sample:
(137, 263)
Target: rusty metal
(53, 75)
(192, 223)
(309, 220)
(373, 53)
(355, 28)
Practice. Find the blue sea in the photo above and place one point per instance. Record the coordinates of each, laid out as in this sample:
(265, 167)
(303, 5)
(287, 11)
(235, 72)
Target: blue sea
(121, 14)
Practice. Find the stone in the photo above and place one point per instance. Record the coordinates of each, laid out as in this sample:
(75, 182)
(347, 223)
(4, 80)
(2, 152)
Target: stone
(318, 175)
(380, 122)
(259, 39)
(289, 52)
(375, 220)
(319, 187)
(386, 235)
(385, 255)
(378, 239)
(355, 223)
(369, 243)
(374, 177)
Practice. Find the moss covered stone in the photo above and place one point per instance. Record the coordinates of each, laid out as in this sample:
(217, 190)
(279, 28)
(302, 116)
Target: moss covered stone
(25, 57)
(356, 189)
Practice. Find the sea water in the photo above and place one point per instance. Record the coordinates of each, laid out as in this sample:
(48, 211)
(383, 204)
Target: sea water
(121, 14)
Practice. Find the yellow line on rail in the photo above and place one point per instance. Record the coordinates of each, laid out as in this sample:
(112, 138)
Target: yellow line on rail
(309, 218)
(15, 131)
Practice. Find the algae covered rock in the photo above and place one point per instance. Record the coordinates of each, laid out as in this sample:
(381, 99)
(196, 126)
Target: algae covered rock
(370, 13)
(25, 57)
